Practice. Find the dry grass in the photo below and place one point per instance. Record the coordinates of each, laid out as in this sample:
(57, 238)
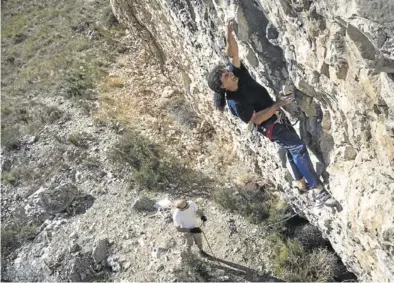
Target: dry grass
(115, 106)
(48, 45)
(112, 82)
(20, 117)
(225, 155)
(155, 169)
(51, 48)
(35, 174)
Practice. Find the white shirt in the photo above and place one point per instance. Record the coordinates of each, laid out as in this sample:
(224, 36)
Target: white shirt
(186, 218)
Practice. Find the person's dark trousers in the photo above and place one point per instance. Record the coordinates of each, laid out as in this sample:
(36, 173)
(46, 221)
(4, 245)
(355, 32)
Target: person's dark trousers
(297, 153)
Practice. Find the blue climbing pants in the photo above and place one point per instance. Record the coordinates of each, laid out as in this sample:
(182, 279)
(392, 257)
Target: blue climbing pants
(297, 153)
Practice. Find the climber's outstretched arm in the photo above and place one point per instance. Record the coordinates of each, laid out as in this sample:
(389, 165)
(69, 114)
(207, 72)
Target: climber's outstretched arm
(232, 45)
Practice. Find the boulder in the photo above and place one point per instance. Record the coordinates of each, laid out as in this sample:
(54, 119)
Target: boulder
(144, 204)
(6, 164)
(28, 140)
(80, 269)
(74, 248)
(46, 202)
(100, 250)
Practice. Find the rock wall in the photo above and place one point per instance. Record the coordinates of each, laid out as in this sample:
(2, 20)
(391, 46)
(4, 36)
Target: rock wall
(340, 55)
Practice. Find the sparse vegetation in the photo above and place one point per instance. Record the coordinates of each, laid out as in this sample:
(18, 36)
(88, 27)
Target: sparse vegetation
(8, 177)
(301, 258)
(53, 114)
(34, 174)
(10, 136)
(152, 167)
(111, 82)
(109, 18)
(252, 204)
(255, 203)
(79, 139)
(144, 157)
(13, 235)
(77, 85)
(292, 262)
(309, 236)
(41, 62)
(91, 163)
(193, 270)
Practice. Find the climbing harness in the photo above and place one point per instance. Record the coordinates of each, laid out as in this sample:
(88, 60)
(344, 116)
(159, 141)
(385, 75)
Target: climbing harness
(269, 130)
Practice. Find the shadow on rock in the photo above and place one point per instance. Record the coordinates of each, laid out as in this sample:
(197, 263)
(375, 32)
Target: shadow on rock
(239, 270)
(80, 205)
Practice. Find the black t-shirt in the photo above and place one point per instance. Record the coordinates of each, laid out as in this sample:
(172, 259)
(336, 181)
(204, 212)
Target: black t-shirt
(250, 95)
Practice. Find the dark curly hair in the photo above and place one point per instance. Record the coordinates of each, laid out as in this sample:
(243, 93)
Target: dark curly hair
(214, 83)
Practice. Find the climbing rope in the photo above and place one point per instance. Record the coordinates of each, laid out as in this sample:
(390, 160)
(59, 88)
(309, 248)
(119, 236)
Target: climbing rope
(202, 224)
(297, 213)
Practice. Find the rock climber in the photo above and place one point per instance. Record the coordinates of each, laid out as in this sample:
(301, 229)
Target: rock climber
(185, 221)
(251, 102)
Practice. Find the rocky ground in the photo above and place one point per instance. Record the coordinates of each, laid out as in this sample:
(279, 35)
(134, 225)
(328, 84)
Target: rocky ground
(84, 212)
(78, 197)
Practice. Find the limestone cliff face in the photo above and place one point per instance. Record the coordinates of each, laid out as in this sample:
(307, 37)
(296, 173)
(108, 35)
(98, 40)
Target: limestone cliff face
(340, 55)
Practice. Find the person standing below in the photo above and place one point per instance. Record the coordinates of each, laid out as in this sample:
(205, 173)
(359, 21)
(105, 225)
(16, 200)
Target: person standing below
(251, 102)
(185, 221)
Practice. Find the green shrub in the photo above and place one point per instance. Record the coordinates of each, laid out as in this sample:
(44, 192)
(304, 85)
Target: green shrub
(8, 177)
(13, 235)
(193, 269)
(309, 236)
(53, 114)
(10, 136)
(79, 139)
(252, 204)
(255, 205)
(155, 169)
(108, 18)
(147, 160)
(147, 177)
(21, 117)
(76, 85)
(292, 262)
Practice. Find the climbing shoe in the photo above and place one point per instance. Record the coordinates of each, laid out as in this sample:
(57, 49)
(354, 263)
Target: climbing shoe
(331, 202)
(320, 195)
(300, 186)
